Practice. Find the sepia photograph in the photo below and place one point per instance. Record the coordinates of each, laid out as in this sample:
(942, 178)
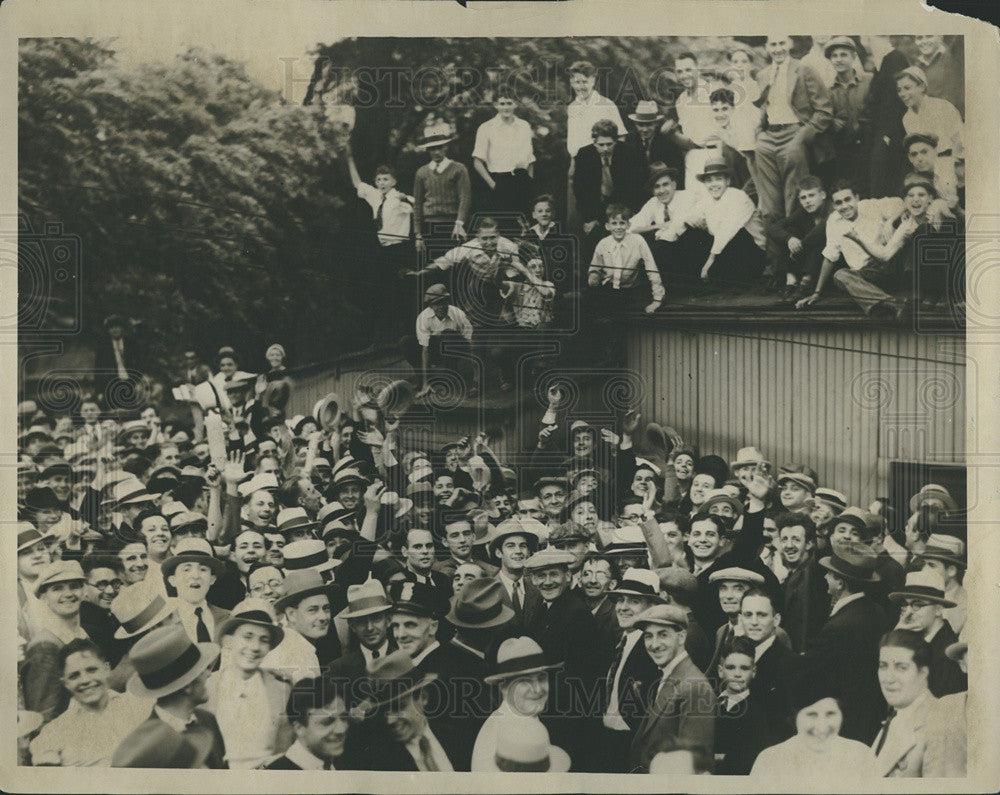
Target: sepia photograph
(472, 403)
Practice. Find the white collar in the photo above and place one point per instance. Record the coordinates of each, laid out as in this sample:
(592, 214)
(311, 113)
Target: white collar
(420, 657)
(762, 647)
(843, 600)
(300, 755)
(733, 700)
(382, 650)
(439, 167)
(175, 723)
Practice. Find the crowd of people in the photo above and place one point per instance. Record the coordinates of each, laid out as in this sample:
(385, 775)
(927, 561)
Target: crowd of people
(805, 178)
(305, 592)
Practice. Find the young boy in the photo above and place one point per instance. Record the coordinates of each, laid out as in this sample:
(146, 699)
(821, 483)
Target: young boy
(504, 158)
(442, 192)
(795, 243)
(740, 725)
(618, 261)
(529, 303)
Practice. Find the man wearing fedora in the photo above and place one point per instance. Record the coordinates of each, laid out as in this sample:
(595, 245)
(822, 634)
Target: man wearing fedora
(653, 145)
(173, 671)
(305, 607)
(249, 703)
(442, 191)
(191, 572)
(521, 672)
(367, 615)
(401, 732)
(681, 702)
(511, 543)
(318, 712)
(845, 649)
(138, 611)
(630, 672)
(565, 628)
(922, 602)
(945, 554)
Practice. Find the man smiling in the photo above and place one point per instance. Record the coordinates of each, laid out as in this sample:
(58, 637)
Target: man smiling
(317, 712)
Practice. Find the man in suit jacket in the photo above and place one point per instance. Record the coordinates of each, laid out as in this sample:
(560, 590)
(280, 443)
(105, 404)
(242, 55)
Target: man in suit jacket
(606, 171)
(174, 671)
(776, 665)
(367, 615)
(318, 714)
(599, 574)
(191, 571)
(806, 602)
(652, 144)
(630, 673)
(682, 703)
(459, 537)
(115, 360)
(904, 666)
(845, 651)
(946, 730)
(797, 107)
(511, 543)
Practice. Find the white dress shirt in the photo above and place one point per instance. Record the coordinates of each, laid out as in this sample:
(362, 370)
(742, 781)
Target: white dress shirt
(684, 210)
(185, 612)
(581, 116)
(779, 109)
(937, 117)
(504, 146)
(612, 717)
(298, 754)
(874, 220)
(439, 167)
(368, 655)
(245, 717)
(694, 112)
(618, 263)
(429, 325)
(397, 212)
(724, 217)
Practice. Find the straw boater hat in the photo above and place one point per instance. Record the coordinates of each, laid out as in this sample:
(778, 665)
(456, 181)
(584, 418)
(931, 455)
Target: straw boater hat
(129, 491)
(166, 661)
(263, 481)
(628, 539)
(799, 478)
(518, 657)
(435, 135)
(924, 584)
(523, 746)
(853, 560)
(852, 515)
(308, 553)
(294, 519)
(366, 599)
(747, 456)
(252, 611)
(480, 606)
(834, 500)
(28, 535)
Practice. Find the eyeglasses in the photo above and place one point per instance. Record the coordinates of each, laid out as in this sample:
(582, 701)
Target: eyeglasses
(103, 585)
(915, 604)
(260, 587)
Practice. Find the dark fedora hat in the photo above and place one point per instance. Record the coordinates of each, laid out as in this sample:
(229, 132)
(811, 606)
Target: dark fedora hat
(480, 606)
(393, 677)
(657, 170)
(853, 560)
(713, 167)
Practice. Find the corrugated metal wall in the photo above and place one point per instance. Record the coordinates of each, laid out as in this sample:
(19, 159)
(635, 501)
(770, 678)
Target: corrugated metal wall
(843, 402)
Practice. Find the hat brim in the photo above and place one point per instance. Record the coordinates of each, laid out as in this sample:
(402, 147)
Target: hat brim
(956, 650)
(898, 597)
(660, 623)
(56, 581)
(703, 177)
(169, 566)
(367, 611)
(505, 615)
(135, 500)
(424, 145)
(494, 678)
(954, 560)
(425, 680)
(231, 623)
(651, 597)
(298, 596)
(207, 654)
(636, 117)
(559, 761)
(827, 563)
(947, 499)
(121, 633)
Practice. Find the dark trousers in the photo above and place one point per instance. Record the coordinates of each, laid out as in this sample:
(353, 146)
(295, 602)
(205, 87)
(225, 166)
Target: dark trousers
(887, 164)
(739, 264)
(870, 286)
(508, 201)
(680, 261)
(447, 351)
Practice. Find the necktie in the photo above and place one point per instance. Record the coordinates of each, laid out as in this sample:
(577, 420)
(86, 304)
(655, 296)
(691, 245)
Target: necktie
(885, 731)
(375, 654)
(379, 221)
(201, 628)
(518, 598)
(606, 185)
(328, 765)
(425, 754)
(619, 653)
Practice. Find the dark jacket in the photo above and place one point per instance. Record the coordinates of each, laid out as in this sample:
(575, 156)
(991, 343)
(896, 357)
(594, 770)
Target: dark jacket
(627, 176)
(809, 99)
(607, 621)
(776, 670)
(637, 672)
(380, 751)
(206, 728)
(740, 735)
(806, 603)
(524, 616)
(845, 653)
(661, 148)
(886, 109)
(946, 677)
